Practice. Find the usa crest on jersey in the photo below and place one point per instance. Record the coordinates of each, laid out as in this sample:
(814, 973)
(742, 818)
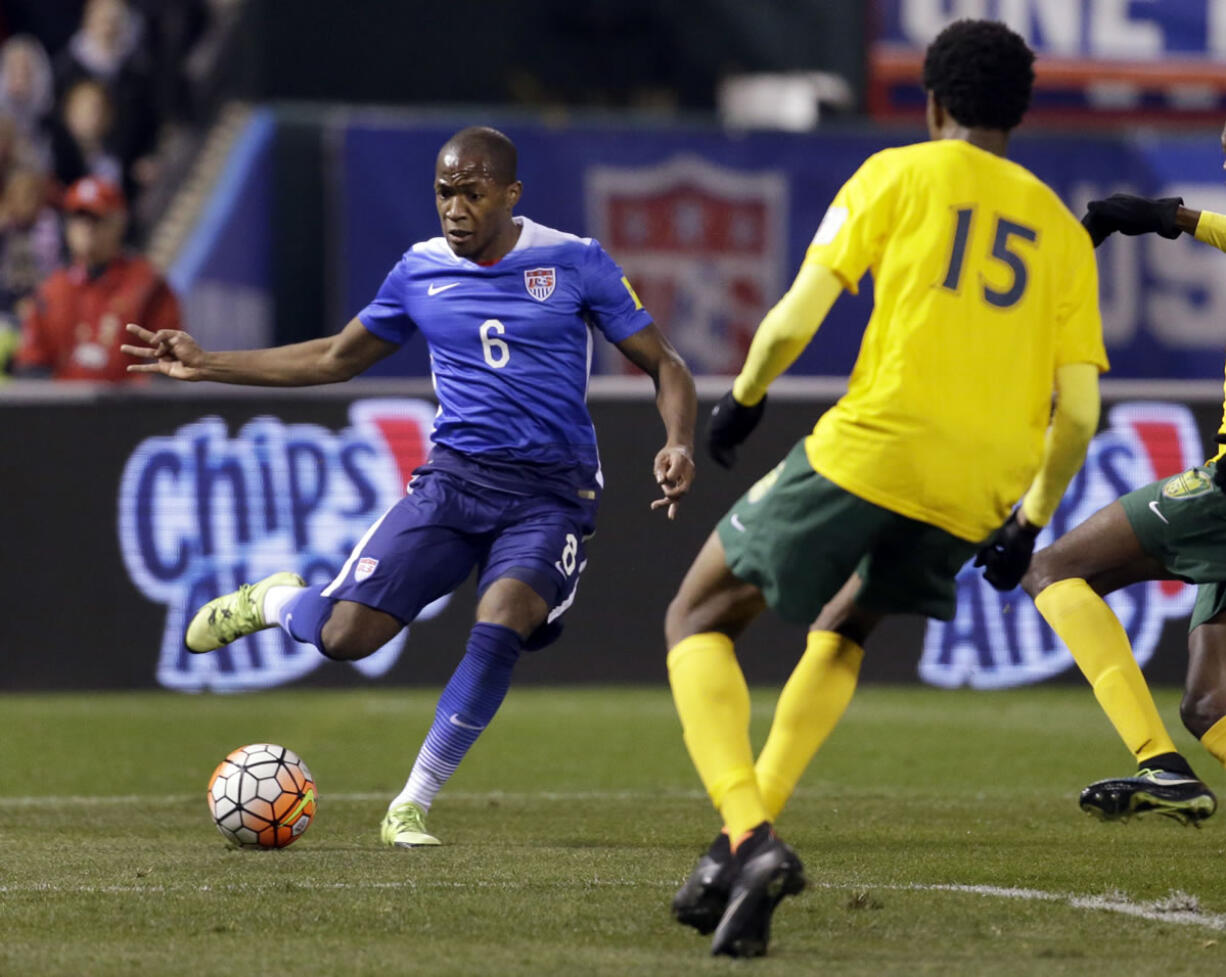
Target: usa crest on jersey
(540, 282)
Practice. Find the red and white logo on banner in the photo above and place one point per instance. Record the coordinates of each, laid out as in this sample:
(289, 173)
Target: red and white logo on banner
(703, 245)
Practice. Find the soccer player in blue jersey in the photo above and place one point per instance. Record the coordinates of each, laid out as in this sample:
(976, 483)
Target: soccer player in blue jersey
(508, 308)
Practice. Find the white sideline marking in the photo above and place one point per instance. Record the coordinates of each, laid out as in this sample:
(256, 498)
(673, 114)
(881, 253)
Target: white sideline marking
(1178, 908)
(163, 800)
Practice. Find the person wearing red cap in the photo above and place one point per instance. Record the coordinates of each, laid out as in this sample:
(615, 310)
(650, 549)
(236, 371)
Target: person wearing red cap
(76, 325)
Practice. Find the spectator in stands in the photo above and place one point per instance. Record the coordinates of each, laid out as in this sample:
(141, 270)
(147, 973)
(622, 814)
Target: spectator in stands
(15, 152)
(30, 250)
(108, 49)
(27, 92)
(30, 242)
(76, 325)
(83, 137)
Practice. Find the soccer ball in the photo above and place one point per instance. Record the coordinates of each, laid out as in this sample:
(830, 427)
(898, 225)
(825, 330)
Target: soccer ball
(262, 796)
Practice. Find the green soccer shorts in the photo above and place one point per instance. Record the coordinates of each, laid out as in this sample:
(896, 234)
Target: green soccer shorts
(1181, 522)
(798, 536)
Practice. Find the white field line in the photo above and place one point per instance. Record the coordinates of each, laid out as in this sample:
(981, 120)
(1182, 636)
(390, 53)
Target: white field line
(1178, 908)
(166, 800)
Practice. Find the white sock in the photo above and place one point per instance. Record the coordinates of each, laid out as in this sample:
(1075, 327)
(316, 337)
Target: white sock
(421, 788)
(276, 599)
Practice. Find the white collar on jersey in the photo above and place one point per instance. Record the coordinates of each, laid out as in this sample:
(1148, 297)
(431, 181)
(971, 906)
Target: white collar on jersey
(527, 236)
(531, 235)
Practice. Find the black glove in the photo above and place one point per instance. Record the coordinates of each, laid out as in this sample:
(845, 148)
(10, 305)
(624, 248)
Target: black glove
(1132, 215)
(731, 423)
(1006, 556)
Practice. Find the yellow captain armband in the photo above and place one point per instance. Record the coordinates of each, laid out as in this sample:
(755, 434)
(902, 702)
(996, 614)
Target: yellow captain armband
(1211, 228)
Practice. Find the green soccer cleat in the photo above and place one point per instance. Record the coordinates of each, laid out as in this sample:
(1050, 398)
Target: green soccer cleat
(404, 826)
(234, 615)
(1183, 798)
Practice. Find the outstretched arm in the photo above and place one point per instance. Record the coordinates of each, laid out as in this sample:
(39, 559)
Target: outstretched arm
(787, 329)
(329, 359)
(782, 336)
(651, 352)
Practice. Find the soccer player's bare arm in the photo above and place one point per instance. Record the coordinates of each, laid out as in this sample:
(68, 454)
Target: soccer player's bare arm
(329, 359)
(650, 351)
(1204, 225)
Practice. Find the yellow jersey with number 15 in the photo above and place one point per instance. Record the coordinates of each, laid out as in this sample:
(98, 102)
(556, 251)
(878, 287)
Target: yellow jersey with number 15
(984, 283)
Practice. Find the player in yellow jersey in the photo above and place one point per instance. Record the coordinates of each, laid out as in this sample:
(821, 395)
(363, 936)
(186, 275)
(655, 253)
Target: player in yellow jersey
(1170, 529)
(986, 305)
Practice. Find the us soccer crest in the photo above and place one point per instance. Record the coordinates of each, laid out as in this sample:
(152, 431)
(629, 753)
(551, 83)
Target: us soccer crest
(703, 245)
(540, 282)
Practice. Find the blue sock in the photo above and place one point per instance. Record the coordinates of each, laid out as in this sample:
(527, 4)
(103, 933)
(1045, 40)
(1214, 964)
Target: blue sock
(467, 705)
(303, 616)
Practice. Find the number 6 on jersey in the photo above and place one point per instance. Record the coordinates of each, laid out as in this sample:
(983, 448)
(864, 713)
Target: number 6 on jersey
(496, 351)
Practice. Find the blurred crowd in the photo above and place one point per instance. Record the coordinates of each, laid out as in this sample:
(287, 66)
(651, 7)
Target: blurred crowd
(87, 111)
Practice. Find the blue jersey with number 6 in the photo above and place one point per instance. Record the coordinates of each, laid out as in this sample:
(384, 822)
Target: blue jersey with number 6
(511, 343)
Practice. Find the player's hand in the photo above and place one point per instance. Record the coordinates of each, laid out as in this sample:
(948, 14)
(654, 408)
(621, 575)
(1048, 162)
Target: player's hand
(674, 471)
(1006, 556)
(169, 352)
(1131, 215)
(731, 423)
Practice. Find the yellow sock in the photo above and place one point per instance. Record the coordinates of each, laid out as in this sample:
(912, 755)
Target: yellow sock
(1214, 740)
(713, 703)
(1100, 647)
(815, 696)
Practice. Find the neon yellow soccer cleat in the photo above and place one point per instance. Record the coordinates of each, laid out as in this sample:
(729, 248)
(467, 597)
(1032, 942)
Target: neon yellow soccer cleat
(1183, 798)
(234, 615)
(404, 826)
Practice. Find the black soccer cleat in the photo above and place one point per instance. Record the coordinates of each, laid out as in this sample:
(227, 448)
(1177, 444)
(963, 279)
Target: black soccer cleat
(702, 900)
(1165, 792)
(764, 871)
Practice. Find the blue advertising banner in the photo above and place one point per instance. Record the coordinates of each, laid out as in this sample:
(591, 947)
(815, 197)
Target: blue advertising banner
(1097, 59)
(711, 227)
(1098, 29)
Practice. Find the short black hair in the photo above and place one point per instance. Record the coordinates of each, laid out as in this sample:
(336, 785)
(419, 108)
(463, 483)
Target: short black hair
(981, 72)
(495, 147)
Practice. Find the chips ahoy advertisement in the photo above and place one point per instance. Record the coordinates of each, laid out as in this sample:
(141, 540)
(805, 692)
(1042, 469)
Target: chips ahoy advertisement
(148, 506)
(204, 509)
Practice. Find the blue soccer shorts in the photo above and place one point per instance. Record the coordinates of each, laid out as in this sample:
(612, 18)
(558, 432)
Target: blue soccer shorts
(428, 543)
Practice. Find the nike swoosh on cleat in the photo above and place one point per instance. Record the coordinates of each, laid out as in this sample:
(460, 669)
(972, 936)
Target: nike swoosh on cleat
(435, 289)
(1153, 505)
(455, 720)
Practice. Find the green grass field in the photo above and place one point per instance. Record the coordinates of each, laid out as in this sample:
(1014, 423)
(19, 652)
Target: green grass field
(940, 831)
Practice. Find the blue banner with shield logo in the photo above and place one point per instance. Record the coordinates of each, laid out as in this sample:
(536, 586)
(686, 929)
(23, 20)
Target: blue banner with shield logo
(712, 226)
